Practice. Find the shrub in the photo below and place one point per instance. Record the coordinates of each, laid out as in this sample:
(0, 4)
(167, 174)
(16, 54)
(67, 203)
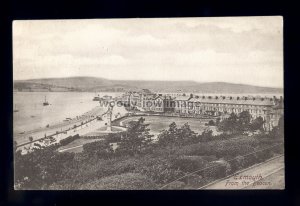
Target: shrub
(188, 163)
(220, 148)
(98, 149)
(160, 170)
(215, 170)
(250, 160)
(262, 156)
(41, 168)
(211, 123)
(68, 140)
(195, 149)
(237, 164)
(127, 181)
(100, 168)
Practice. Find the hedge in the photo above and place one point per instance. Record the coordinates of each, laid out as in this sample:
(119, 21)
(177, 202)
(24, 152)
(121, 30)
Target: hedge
(127, 181)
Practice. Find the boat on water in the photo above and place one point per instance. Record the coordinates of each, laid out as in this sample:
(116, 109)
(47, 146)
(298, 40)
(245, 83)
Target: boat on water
(45, 103)
(96, 98)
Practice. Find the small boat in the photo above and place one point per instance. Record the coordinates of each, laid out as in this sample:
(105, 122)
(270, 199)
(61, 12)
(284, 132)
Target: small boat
(45, 103)
(96, 98)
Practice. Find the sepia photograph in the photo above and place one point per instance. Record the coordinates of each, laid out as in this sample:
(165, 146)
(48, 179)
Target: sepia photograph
(149, 104)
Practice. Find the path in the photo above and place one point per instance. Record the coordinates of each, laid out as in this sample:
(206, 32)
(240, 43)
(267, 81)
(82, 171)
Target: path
(268, 175)
(61, 126)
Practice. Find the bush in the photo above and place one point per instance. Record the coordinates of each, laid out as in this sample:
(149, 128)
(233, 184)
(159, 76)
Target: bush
(188, 163)
(211, 123)
(99, 168)
(220, 148)
(68, 140)
(98, 149)
(215, 170)
(127, 181)
(42, 167)
(195, 149)
(237, 164)
(250, 160)
(160, 170)
(262, 156)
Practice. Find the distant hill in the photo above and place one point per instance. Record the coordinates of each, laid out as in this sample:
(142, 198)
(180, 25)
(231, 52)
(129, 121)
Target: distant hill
(93, 84)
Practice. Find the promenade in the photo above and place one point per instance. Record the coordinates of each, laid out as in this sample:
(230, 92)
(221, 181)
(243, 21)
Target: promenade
(58, 127)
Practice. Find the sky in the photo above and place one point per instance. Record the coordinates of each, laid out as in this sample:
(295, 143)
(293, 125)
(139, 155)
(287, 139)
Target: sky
(247, 50)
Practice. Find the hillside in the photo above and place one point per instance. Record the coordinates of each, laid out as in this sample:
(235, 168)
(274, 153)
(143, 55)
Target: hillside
(93, 84)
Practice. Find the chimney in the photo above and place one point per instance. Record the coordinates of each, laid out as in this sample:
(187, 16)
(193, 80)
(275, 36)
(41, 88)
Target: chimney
(238, 98)
(253, 98)
(230, 98)
(223, 97)
(217, 97)
(191, 95)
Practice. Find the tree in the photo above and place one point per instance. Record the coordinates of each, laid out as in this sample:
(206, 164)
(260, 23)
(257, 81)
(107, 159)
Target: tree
(257, 124)
(211, 123)
(185, 135)
(137, 137)
(42, 167)
(244, 120)
(206, 135)
(229, 125)
(168, 137)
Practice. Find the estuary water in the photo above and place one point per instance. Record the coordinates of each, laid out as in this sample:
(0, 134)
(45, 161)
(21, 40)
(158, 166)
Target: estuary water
(32, 114)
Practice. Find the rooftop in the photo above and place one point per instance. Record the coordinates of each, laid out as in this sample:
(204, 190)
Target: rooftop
(232, 100)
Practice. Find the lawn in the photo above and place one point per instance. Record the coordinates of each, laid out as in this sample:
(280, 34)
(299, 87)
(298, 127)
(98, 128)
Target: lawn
(78, 142)
(160, 123)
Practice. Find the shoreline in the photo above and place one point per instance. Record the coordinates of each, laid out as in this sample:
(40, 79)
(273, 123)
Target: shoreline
(58, 126)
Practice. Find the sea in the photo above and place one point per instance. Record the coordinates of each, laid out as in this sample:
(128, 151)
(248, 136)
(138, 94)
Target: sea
(32, 114)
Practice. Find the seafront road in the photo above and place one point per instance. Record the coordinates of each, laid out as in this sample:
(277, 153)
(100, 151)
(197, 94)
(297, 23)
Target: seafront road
(60, 126)
(268, 175)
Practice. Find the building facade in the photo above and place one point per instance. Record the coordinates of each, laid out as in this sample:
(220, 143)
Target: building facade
(270, 109)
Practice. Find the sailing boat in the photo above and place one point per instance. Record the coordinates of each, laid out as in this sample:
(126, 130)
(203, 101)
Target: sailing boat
(45, 103)
(15, 109)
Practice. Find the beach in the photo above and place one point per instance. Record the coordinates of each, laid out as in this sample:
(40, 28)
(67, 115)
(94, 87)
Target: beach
(32, 117)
